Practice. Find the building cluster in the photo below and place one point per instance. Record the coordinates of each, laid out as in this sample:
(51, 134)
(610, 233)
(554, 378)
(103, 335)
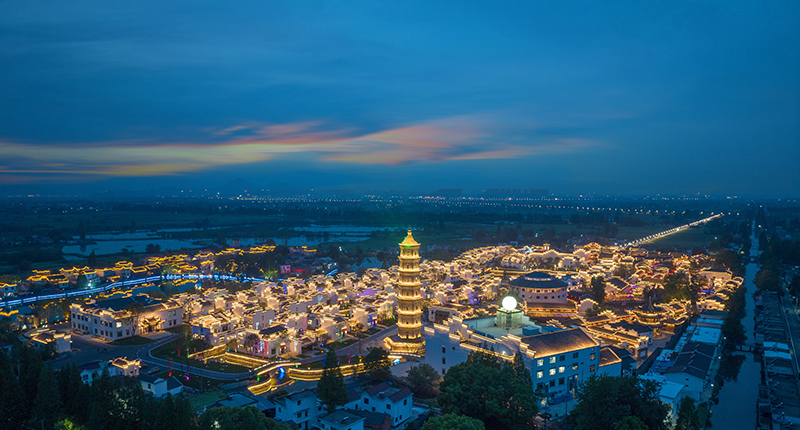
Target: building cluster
(380, 407)
(500, 300)
(300, 260)
(688, 368)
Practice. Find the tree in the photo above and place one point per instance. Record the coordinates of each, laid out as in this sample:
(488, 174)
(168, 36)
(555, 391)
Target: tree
(453, 422)
(330, 388)
(688, 416)
(733, 331)
(92, 259)
(484, 389)
(631, 423)
(133, 316)
(67, 424)
(228, 418)
(173, 413)
(794, 286)
(249, 342)
(48, 400)
(598, 289)
(424, 380)
(152, 248)
(605, 402)
(674, 287)
(377, 363)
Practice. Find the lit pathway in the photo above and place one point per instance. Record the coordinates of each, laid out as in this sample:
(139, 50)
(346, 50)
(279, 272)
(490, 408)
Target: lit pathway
(652, 237)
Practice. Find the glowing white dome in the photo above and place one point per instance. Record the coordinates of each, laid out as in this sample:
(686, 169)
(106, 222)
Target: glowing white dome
(509, 303)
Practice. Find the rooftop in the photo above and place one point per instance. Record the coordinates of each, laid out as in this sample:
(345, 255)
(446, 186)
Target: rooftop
(538, 280)
(559, 342)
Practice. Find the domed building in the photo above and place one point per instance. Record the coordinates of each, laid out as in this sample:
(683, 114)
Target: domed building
(539, 287)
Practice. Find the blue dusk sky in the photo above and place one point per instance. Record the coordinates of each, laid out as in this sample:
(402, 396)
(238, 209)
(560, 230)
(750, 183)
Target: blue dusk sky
(620, 97)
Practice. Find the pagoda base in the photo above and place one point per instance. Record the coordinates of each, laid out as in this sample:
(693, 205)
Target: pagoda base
(397, 344)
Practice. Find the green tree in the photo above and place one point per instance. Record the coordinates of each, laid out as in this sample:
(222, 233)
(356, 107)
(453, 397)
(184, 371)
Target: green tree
(604, 402)
(173, 413)
(330, 388)
(377, 363)
(13, 414)
(453, 422)
(227, 418)
(424, 380)
(48, 400)
(249, 342)
(688, 416)
(794, 286)
(484, 389)
(91, 261)
(733, 332)
(598, 289)
(67, 424)
(631, 423)
(675, 287)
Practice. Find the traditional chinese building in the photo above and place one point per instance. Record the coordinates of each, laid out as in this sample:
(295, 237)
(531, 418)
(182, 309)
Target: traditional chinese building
(409, 302)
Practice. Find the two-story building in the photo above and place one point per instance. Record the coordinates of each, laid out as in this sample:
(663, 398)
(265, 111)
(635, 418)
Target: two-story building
(125, 317)
(384, 398)
(300, 407)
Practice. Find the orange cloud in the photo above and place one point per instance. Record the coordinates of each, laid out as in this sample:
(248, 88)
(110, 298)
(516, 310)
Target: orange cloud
(452, 139)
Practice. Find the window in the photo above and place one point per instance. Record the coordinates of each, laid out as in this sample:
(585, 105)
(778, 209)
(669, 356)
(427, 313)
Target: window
(592, 356)
(591, 368)
(562, 358)
(552, 371)
(539, 374)
(119, 333)
(540, 362)
(405, 402)
(552, 383)
(366, 401)
(561, 369)
(443, 360)
(560, 381)
(298, 403)
(553, 360)
(119, 324)
(388, 407)
(574, 366)
(444, 349)
(574, 355)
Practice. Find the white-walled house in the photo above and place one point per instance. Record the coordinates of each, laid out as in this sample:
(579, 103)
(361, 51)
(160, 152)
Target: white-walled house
(160, 387)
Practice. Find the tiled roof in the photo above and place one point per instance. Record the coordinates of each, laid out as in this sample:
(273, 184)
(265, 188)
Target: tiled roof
(559, 342)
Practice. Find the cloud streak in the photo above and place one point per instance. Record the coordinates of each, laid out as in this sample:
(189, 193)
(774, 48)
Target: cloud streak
(448, 140)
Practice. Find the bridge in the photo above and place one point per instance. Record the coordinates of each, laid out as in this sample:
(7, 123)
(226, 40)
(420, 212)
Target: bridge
(652, 237)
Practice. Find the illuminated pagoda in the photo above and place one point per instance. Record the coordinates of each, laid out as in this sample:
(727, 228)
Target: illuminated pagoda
(409, 310)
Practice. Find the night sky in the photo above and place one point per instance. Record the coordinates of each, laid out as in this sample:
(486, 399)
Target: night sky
(577, 97)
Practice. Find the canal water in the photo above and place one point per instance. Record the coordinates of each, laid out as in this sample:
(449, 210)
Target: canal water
(737, 398)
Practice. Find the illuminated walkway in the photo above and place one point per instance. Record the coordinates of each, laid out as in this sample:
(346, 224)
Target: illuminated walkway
(652, 237)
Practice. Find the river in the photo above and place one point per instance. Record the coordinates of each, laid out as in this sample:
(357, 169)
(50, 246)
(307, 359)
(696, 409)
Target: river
(737, 398)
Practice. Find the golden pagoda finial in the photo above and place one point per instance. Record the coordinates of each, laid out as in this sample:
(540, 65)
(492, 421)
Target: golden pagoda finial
(409, 240)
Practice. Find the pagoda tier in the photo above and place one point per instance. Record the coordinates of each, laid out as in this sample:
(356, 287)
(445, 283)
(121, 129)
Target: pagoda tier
(409, 303)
